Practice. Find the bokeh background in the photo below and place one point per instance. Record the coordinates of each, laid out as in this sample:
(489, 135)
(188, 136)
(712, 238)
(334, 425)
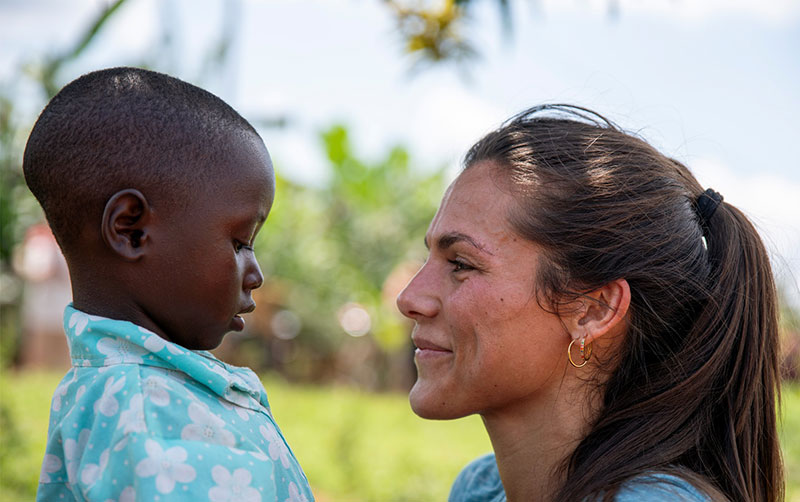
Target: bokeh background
(367, 107)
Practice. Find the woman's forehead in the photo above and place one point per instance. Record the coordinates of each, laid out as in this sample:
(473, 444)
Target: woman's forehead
(473, 206)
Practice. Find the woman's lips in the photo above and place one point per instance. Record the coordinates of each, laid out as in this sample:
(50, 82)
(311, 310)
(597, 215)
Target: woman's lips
(427, 349)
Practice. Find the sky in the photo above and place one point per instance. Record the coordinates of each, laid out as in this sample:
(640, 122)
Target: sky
(713, 83)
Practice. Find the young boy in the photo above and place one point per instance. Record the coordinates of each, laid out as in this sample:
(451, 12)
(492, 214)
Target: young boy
(155, 190)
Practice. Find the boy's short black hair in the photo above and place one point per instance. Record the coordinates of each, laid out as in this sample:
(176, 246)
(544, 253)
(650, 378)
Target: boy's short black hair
(124, 128)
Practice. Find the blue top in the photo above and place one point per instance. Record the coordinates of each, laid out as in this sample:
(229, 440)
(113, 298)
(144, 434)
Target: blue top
(141, 418)
(480, 482)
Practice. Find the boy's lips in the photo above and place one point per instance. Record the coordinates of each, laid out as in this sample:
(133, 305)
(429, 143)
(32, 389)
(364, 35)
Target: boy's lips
(237, 323)
(247, 309)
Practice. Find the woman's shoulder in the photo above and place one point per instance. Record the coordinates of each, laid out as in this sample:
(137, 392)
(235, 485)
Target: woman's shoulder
(479, 481)
(659, 487)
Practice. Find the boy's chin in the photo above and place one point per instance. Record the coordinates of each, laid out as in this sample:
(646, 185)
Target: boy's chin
(206, 341)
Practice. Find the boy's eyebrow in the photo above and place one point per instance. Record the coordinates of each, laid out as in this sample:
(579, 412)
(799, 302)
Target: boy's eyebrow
(446, 240)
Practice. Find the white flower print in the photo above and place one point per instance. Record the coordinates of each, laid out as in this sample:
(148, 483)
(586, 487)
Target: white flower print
(294, 494)
(219, 370)
(61, 391)
(73, 450)
(173, 374)
(166, 465)
(120, 350)
(251, 379)
(206, 427)
(92, 472)
(122, 443)
(155, 343)
(50, 465)
(277, 448)
(155, 389)
(132, 419)
(237, 402)
(108, 404)
(126, 495)
(79, 321)
(232, 487)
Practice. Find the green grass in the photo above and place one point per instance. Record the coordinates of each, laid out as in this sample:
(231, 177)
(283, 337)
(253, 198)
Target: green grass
(354, 447)
(790, 441)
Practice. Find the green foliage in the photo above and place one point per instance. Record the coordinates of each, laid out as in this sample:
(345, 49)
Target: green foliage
(18, 208)
(325, 247)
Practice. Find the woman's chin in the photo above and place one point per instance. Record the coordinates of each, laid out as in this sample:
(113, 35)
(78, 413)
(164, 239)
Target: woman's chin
(432, 406)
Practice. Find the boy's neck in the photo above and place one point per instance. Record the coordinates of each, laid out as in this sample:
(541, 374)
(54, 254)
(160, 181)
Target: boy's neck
(111, 302)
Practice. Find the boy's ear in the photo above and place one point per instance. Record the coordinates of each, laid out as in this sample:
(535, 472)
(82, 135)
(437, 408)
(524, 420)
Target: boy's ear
(125, 224)
(601, 311)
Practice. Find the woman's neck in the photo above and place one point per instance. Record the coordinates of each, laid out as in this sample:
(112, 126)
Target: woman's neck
(532, 440)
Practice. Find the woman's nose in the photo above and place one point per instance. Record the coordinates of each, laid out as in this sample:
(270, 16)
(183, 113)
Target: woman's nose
(418, 299)
(253, 278)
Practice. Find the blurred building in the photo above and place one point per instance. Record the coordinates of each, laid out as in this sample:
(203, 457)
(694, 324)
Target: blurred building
(45, 294)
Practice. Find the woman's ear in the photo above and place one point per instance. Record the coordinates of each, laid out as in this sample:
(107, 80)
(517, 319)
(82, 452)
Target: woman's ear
(602, 311)
(125, 224)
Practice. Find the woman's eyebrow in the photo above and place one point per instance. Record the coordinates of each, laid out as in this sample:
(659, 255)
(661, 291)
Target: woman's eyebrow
(446, 240)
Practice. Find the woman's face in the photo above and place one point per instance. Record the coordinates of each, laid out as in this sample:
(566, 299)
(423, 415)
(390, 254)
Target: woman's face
(484, 345)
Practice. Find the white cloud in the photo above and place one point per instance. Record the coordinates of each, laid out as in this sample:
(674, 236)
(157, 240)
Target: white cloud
(447, 120)
(298, 155)
(772, 11)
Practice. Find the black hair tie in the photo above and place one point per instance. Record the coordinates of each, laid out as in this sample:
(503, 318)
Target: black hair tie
(706, 204)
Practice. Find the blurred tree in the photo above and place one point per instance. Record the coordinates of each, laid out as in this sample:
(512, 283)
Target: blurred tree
(437, 31)
(332, 249)
(434, 33)
(790, 332)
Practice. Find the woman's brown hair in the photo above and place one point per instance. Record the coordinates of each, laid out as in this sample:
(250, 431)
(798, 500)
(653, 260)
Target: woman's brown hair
(694, 389)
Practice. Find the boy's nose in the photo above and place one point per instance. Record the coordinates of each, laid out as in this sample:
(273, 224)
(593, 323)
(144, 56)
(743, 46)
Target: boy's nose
(253, 278)
(417, 300)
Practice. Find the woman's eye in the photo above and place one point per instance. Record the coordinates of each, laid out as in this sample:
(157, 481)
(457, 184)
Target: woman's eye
(460, 266)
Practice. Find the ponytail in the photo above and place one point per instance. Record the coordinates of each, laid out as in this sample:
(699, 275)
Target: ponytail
(740, 323)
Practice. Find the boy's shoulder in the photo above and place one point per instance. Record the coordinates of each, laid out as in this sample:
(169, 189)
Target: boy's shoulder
(124, 421)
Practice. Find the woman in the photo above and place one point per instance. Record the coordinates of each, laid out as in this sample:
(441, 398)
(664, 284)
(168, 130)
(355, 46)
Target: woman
(614, 324)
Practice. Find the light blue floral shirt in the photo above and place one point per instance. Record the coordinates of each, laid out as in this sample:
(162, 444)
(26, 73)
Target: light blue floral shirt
(480, 482)
(141, 418)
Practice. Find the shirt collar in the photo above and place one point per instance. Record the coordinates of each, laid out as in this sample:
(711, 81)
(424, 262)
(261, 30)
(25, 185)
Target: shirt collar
(99, 341)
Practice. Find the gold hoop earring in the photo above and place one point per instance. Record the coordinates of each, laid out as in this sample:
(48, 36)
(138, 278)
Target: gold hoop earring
(585, 354)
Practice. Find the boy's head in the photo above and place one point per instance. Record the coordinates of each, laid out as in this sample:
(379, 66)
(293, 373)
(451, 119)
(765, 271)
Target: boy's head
(154, 189)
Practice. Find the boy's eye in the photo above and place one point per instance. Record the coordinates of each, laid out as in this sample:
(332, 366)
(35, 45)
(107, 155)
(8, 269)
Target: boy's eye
(238, 246)
(460, 266)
